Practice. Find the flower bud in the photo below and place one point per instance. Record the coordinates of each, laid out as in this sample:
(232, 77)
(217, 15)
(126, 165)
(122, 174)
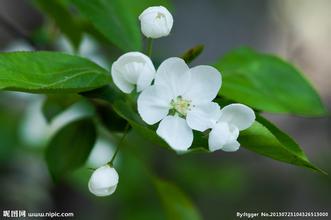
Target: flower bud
(133, 68)
(156, 22)
(103, 181)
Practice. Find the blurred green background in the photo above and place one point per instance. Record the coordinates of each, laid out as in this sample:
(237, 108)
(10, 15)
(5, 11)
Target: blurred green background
(218, 184)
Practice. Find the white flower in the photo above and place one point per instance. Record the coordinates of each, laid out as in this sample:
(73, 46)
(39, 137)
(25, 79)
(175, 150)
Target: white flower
(156, 22)
(181, 98)
(103, 181)
(232, 119)
(133, 68)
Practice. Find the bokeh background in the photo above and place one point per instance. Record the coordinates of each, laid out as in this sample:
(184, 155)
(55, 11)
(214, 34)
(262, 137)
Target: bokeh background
(219, 184)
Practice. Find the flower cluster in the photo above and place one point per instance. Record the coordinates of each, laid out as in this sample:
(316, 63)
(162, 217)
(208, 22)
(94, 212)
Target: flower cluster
(181, 99)
(177, 97)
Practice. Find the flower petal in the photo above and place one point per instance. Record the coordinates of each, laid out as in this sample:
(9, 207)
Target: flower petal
(145, 79)
(202, 117)
(155, 28)
(120, 82)
(103, 181)
(221, 135)
(231, 147)
(102, 191)
(238, 115)
(204, 85)
(154, 103)
(130, 68)
(175, 131)
(156, 21)
(173, 73)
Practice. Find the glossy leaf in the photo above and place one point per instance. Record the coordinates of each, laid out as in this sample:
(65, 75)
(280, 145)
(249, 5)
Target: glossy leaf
(266, 139)
(177, 205)
(49, 72)
(114, 20)
(70, 147)
(267, 83)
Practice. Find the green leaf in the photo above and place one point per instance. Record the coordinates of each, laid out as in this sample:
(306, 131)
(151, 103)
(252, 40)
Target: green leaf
(267, 83)
(49, 72)
(266, 139)
(177, 205)
(70, 147)
(114, 20)
(192, 53)
(54, 104)
(67, 23)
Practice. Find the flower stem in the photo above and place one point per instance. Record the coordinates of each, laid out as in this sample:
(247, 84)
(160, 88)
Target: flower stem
(110, 163)
(149, 46)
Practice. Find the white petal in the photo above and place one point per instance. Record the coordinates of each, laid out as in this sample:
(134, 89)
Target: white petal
(145, 80)
(154, 28)
(132, 68)
(231, 147)
(204, 85)
(175, 131)
(218, 137)
(203, 117)
(134, 65)
(238, 115)
(156, 22)
(221, 135)
(120, 82)
(154, 103)
(102, 191)
(103, 181)
(173, 73)
(104, 176)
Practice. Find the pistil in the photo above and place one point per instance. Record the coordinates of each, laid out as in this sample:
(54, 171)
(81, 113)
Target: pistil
(180, 105)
